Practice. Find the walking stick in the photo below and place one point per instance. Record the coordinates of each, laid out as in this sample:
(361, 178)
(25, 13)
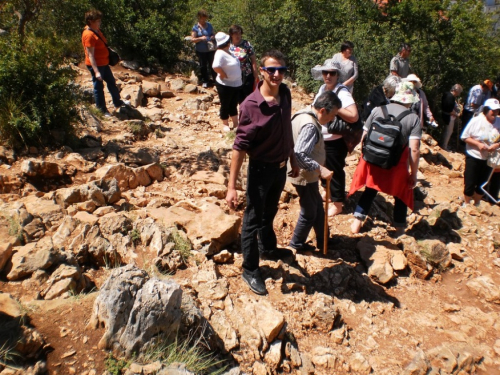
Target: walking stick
(325, 234)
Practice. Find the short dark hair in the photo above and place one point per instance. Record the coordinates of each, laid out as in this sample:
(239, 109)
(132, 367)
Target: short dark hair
(272, 54)
(233, 29)
(486, 110)
(327, 100)
(92, 15)
(405, 46)
(346, 45)
(202, 13)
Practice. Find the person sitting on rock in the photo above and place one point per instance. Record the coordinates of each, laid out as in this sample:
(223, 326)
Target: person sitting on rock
(310, 154)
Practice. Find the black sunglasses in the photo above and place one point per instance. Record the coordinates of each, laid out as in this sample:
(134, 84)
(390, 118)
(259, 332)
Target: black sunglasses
(325, 73)
(272, 69)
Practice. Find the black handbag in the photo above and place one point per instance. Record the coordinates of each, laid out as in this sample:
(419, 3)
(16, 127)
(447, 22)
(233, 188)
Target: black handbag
(114, 57)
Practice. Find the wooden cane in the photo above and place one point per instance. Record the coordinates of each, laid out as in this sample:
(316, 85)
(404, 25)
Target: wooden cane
(325, 234)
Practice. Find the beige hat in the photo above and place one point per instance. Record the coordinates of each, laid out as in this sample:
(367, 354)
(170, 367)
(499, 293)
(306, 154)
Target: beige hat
(405, 94)
(415, 80)
(328, 66)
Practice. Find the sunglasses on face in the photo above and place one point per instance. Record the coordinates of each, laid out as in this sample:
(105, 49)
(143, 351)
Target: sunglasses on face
(333, 74)
(273, 69)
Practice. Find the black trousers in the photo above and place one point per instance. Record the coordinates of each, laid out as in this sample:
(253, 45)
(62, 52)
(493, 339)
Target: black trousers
(476, 173)
(246, 88)
(265, 182)
(206, 60)
(336, 152)
(228, 100)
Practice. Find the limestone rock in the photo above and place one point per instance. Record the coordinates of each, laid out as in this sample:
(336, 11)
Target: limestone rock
(50, 213)
(436, 253)
(139, 156)
(207, 285)
(273, 355)
(155, 114)
(377, 259)
(209, 177)
(32, 257)
(7, 155)
(416, 261)
(151, 88)
(65, 281)
(86, 218)
(359, 364)
(206, 225)
(443, 359)
(322, 313)
(41, 169)
(419, 365)
(177, 84)
(324, 357)
(456, 251)
(132, 93)
(127, 177)
(224, 330)
(190, 88)
(76, 160)
(9, 306)
(5, 254)
(134, 310)
(223, 257)
(484, 287)
(115, 223)
(101, 192)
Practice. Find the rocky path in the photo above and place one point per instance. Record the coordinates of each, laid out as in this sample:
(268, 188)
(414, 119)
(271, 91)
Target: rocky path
(149, 193)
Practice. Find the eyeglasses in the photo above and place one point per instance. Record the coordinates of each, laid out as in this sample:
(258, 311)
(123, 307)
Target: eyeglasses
(272, 69)
(326, 73)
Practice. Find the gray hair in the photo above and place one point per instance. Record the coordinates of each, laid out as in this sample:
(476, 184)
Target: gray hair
(457, 88)
(327, 100)
(390, 84)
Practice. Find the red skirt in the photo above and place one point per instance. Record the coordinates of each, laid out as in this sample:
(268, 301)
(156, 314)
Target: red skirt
(394, 181)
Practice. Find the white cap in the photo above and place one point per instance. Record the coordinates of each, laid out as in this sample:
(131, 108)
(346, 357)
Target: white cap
(492, 104)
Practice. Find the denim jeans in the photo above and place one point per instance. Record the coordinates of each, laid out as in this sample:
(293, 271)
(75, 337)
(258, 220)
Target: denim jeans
(366, 200)
(265, 182)
(107, 76)
(312, 215)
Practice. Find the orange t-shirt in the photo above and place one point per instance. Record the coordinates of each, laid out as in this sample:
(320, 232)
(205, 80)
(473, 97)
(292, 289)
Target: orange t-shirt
(89, 39)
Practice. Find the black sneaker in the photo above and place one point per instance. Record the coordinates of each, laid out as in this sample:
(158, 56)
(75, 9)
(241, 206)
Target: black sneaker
(254, 281)
(305, 247)
(276, 254)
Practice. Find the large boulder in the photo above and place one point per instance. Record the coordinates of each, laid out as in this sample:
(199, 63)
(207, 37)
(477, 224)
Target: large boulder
(49, 212)
(5, 254)
(129, 178)
(136, 310)
(32, 257)
(377, 259)
(133, 93)
(207, 225)
(41, 169)
(484, 287)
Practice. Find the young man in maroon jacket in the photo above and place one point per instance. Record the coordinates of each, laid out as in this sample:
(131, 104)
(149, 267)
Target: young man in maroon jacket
(265, 134)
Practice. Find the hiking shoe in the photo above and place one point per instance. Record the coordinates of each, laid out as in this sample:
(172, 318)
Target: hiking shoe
(304, 247)
(254, 281)
(276, 254)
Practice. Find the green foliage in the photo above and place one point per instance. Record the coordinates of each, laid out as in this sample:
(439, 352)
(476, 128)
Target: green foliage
(148, 31)
(37, 98)
(115, 366)
(190, 353)
(182, 244)
(135, 236)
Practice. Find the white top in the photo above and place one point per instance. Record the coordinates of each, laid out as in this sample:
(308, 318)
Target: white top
(480, 129)
(230, 65)
(346, 98)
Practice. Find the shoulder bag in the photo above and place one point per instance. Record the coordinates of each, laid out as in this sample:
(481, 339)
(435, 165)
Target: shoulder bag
(114, 58)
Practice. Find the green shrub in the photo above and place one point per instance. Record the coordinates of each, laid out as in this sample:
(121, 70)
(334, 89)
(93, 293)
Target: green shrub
(37, 96)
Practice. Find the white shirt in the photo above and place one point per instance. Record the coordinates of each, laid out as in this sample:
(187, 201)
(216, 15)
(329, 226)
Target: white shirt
(346, 98)
(480, 129)
(230, 65)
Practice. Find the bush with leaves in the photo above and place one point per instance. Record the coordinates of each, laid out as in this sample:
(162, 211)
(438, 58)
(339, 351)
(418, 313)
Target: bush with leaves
(37, 96)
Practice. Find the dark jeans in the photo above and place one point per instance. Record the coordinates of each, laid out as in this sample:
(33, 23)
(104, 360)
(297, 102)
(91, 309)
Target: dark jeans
(228, 100)
(466, 116)
(366, 200)
(247, 88)
(206, 60)
(107, 76)
(312, 215)
(336, 152)
(265, 182)
(476, 173)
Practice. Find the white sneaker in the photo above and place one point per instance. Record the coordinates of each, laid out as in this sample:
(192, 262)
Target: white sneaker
(126, 102)
(227, 128)
(205, 85)
(107, 114)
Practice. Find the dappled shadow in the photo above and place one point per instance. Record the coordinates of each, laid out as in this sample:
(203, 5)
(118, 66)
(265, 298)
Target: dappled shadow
(203, 161)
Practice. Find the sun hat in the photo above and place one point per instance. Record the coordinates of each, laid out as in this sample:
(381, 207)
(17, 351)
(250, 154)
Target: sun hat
(488, 83)
(415, 80)
(405, 94)
(328, 65)
(221, 38)
(492, 104)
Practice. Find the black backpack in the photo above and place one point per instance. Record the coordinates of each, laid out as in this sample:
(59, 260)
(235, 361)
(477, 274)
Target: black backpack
(383, 144)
